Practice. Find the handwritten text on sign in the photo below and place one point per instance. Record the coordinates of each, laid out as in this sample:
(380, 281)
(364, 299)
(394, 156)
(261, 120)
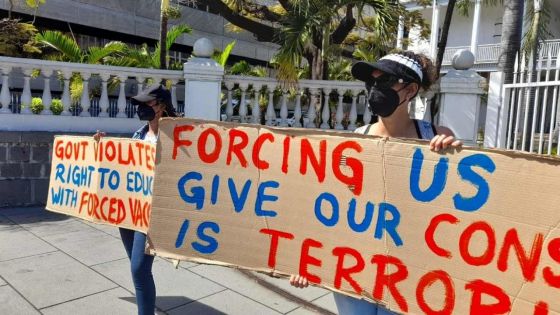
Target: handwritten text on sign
(465, 232)
(109, 181)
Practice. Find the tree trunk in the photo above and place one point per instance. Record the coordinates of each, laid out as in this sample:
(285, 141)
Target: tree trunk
(512, 23)
(10, 9)
(163, 35)
(535, 26)
(444, 34)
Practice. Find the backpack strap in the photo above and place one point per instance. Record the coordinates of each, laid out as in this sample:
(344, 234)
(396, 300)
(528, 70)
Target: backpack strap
(425, 129)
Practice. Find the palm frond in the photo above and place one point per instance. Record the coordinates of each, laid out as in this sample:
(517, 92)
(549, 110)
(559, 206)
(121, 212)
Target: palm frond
(222, 57)
(174, 32)
(64, 44)
(96, 55)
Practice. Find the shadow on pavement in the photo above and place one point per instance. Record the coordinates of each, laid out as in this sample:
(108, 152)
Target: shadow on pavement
(181, 301)
(11, 216)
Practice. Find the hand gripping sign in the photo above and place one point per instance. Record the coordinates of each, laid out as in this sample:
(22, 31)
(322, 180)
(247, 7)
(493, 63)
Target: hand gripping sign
(466, 232)
(108, 182)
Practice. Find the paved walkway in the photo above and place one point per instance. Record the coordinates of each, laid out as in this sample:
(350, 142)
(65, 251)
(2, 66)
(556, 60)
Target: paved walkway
(54, 264)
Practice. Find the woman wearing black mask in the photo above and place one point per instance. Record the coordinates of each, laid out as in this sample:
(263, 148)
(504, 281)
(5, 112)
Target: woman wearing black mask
(152, 103)
(392, 82)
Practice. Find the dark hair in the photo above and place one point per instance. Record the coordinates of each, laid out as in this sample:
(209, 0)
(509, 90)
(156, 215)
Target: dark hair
(428, 69)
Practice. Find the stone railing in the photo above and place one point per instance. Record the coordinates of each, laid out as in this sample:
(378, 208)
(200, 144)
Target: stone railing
(307, 103)
(98, 106)
(201, 90)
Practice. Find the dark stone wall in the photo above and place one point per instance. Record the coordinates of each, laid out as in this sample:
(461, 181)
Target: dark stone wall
(25, 166)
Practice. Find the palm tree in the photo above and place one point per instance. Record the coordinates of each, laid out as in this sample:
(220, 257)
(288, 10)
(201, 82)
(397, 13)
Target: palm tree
(67, 49)
(512, 22)
(143, 57)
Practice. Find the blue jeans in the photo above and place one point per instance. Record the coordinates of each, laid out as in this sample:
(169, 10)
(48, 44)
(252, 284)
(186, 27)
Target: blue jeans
(141, 268)
(347, 305)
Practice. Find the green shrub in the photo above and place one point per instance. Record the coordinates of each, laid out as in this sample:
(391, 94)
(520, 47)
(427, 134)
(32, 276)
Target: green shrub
(37, 105)
(56, 106)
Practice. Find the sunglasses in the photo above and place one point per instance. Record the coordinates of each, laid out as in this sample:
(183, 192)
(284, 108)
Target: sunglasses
(383, 81)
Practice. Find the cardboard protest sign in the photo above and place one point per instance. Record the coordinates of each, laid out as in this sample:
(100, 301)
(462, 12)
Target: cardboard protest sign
(467, 232)
(108, 182)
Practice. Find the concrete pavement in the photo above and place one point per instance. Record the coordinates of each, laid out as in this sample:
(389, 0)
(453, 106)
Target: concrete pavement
(55, 264)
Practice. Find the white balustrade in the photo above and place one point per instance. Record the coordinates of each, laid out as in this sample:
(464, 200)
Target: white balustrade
(21, 70)
(339, 112)
(270, 112)
(256, 108)
(326, 114)
(229, 105)
(311, 112)
(47, 97)
(284, 110)
(85, 101)
(26, 95)
(243, 103)
(121, 102)
(5, 92)
(297, 110)
(66, 74)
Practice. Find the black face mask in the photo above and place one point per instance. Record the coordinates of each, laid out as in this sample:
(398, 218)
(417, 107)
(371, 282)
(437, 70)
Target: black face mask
(382, 100)
(145, 112)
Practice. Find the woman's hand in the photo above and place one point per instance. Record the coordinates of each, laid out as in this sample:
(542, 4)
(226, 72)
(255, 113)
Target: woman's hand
(97, 136)
(443, 141)
(299, 281)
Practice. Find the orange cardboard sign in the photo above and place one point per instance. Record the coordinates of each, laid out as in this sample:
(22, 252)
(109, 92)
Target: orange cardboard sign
(460, 232)
(107, 182)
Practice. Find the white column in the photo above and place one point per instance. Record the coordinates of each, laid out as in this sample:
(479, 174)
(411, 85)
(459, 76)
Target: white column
(339, 111)
(353, 116)
(270, 113)
(229, 106)
(400, 32)
(66, 74)
(326, 114)
(434, 31)
(85, 101)
(47, 97)
(312, 112)
(476, 24)
(5, 97)
(461, 91)
(203, 83)
(121, 102)
(174, 94)
(26, 95)
(104, 98)
(243, 86)
(297, 110)
(256, 108)
(284, 110)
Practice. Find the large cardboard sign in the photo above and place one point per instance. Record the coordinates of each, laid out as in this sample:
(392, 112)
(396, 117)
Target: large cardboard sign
(466, 232)
(107, 182)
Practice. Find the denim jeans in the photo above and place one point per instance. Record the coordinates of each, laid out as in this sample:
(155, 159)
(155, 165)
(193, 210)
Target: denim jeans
(141, 269)
(347, 305)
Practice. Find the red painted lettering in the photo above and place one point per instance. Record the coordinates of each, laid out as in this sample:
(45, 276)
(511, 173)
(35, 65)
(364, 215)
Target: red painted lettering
(465, 239)
(390, 281)
(317, 164)
(480, 287)
(425, 282)
(346, 272)
(177, 141)
(237, 148)
(430, 231)
(275, 236)
(285, 155)
(528, 262)
(554, 252)
(260, 164)
(306, 260)
(356, 180)
(202, 144)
